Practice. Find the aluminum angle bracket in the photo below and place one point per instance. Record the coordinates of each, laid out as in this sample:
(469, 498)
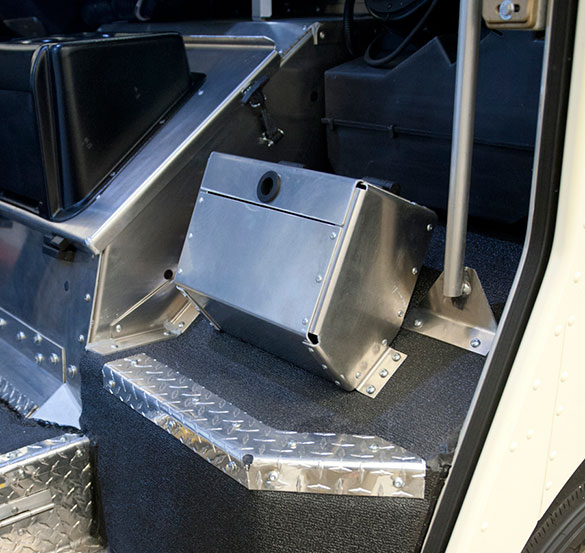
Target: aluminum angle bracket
(466, 322)
(255, 455)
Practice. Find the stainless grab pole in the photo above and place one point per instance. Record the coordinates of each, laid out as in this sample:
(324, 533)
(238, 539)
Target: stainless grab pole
(462, 146)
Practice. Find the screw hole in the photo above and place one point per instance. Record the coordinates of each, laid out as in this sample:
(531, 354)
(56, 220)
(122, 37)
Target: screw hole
(168, 274)
(66, 286)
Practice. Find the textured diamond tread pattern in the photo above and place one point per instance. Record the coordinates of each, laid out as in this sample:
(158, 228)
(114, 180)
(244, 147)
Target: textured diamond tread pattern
(52, 479)
(255, 455)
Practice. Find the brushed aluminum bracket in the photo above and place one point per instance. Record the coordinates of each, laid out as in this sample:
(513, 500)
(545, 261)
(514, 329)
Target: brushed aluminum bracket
(466, 322)
(255, 455)
(381, 373)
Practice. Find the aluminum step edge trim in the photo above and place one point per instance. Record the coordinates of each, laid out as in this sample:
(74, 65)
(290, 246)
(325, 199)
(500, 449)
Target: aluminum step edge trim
(255, 455)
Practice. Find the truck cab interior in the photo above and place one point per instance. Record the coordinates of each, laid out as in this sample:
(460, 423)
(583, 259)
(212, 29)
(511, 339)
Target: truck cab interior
(264, 267)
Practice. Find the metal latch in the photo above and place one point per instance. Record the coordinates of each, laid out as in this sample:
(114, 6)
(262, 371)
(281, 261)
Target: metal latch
(25, 507)
(59, 247)
(515, 14)
(254, 97)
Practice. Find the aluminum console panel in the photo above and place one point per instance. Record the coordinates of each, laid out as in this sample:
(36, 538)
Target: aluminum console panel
(46, 501)
(255, 455)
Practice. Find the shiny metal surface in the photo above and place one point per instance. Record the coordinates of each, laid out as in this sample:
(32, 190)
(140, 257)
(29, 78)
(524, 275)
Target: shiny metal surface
(466, 322)
(321, 275)
(462, 146)
(48, 491)
(32, 344)
(255, 455)
(118, 292)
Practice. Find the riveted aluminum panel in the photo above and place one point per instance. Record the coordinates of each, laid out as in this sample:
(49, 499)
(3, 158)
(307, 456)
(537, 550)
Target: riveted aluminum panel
(318, 274)
(254, 454)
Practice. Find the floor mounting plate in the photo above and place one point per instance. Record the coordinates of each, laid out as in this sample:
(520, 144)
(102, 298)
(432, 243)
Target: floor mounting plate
(466, 322)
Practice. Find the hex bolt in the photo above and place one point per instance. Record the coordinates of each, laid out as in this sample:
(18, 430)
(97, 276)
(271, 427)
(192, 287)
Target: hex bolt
(111, 384)
(79, 453)
(475, 343)
(118, 328)
(358, 374)
(231, 466)
(383, 373)
(81, 339)
(87, 298)
(401, 313)
(333, 236)
(398, 482)
(21, 336)
(373, 447)
(190, 236)
(418, 323)
(319, 278)
(325, 367)
(370, 389)
(506, 10)
(292, 444)
(322, 35)
(54, 358)
(37, 338)
(384, 342)
(2, 323)
(272, 476)
(39, 358)
(396, 357)
(466, 288)
(429, 227)
(71, 371)
(414, 271)
(305, 321)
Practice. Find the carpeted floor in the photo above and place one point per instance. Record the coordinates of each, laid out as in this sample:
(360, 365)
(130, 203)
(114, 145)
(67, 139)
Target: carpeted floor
(150, 481)
(17, 432)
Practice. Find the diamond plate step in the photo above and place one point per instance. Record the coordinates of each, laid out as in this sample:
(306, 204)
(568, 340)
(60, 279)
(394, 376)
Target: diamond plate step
(46, 503)
(255, 455)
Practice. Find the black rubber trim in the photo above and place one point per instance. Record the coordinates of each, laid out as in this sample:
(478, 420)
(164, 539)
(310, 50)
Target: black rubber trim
(268, 186)
(550, 156)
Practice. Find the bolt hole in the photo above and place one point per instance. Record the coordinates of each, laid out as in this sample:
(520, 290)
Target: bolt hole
(168, 274)
(66, 286)
(268, 186)
(313, 338)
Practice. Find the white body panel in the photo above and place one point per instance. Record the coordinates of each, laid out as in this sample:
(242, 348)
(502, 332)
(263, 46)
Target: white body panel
(535, 442)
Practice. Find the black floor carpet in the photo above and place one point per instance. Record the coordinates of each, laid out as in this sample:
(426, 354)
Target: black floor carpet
(159, 496)
(17, 432)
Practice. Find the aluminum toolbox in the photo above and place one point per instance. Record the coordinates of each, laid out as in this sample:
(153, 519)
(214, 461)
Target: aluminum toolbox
(316, 268)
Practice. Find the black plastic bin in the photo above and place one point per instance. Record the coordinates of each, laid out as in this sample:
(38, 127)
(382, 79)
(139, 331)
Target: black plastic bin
(396, 124)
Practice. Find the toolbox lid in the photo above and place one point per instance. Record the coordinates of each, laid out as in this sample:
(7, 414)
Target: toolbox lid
(310, 194)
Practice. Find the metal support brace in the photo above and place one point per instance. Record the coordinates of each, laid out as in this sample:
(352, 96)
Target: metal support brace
(459, 313)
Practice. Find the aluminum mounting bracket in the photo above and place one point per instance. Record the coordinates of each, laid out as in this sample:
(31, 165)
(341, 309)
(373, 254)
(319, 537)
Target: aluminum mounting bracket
(466, 322)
